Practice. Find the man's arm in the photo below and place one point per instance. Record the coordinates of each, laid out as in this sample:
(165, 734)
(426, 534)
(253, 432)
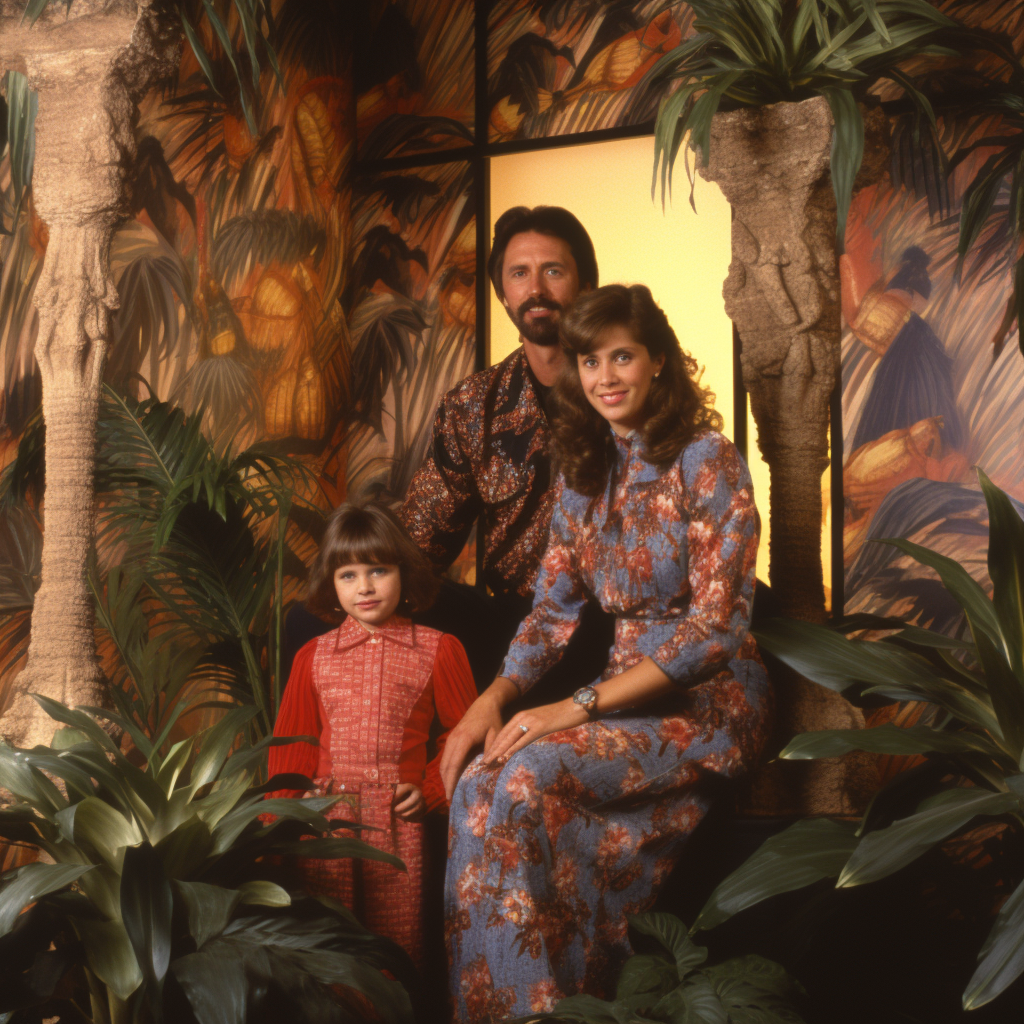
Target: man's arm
(443, 501)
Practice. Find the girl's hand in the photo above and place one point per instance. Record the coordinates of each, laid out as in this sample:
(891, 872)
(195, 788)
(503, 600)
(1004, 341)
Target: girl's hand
(542, 721)
(479, 725)
(408, 802)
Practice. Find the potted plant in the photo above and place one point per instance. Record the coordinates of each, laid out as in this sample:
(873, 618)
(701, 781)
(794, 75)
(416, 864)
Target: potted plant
(156, 901)
(973, 752)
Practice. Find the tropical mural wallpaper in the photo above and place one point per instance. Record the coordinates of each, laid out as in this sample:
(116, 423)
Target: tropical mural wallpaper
(300, 272)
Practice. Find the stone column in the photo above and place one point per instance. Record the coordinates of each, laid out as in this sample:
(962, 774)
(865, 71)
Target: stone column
(782, 292)
(87, 70)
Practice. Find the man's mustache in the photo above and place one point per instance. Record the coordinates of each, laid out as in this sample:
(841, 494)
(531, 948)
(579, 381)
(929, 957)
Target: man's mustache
(534, 303)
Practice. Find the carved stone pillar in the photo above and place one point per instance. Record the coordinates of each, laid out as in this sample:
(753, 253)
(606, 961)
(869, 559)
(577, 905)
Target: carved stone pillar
(782, 292)
(87, 71)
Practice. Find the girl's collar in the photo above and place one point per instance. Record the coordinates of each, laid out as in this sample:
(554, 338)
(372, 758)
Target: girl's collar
(398, 629)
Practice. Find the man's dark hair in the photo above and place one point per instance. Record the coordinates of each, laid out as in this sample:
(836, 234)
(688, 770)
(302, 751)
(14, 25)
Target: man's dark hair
(545, 220)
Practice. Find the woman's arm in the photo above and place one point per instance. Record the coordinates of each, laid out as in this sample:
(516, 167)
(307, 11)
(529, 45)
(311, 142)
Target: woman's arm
(635, 686)
(558, 603)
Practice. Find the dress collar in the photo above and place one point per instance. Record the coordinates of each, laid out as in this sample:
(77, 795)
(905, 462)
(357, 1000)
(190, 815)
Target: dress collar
(397, 628)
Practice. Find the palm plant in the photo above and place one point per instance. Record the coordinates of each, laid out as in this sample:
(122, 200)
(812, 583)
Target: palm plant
(656, 988)
(155, 904)
(974, 751)
(197, 558)
(749, 53)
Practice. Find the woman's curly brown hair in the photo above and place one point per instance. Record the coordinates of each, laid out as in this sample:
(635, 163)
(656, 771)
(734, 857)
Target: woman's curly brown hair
(372, 535)
(677, 407)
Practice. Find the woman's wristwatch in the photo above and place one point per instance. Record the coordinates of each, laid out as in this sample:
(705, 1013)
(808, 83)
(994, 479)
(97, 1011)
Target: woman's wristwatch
(586, 698)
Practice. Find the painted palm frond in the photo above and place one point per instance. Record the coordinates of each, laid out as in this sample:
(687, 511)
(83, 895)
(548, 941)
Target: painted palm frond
(262, 236)
(755, 52)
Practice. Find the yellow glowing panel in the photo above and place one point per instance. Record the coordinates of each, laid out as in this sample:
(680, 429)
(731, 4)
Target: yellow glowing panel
(681, 256)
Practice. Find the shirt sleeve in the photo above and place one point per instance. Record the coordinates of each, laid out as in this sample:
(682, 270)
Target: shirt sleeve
(450, 692)
(443, 501)
(299, 715)
(559, 597)
(722, 538)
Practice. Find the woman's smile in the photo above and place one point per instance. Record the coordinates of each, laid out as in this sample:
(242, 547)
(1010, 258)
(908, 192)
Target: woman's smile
(616, 377)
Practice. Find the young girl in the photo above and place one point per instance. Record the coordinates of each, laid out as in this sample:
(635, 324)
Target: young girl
(371, 690)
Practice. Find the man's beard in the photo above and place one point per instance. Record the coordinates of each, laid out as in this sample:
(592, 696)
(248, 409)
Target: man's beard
(542, 332)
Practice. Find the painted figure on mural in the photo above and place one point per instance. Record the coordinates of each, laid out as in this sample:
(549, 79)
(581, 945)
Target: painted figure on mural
(576, 811)
(488, 462)
(371, 690)
(909, 425)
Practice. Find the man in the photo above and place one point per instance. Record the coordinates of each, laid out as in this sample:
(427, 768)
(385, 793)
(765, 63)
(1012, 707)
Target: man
(488, 461)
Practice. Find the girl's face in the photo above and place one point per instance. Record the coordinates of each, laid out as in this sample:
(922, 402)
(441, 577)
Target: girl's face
(369, 593)
(616, 378)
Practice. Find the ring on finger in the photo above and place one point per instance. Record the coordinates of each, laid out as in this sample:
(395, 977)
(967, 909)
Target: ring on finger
(525, 728)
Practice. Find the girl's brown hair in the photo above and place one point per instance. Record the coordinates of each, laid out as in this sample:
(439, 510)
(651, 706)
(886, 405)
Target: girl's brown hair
(372, 535)
(677, 407)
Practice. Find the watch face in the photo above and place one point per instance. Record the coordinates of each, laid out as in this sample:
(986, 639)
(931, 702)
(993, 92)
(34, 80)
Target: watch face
(587, 696)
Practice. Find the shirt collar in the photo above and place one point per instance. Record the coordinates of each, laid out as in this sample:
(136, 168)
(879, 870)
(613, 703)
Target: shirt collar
(398, 629)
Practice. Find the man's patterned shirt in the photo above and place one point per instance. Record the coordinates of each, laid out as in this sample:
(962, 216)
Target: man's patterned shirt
(488, 458)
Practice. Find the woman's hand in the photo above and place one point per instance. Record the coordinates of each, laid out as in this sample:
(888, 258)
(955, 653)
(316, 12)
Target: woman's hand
(526, 726)
(479, 725)
(409, 803)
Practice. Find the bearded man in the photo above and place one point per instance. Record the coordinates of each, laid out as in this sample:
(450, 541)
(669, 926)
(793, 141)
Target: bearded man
(488, 461)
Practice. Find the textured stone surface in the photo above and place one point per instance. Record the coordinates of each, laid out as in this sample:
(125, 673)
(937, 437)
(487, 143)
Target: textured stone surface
(782, 292)
(88, 70)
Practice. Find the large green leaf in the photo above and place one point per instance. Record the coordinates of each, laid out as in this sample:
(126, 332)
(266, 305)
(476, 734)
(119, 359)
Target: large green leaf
(186, 847)
(642, 975)
(881, 853)
(884, 739)
(1006, 567)
(27, 884)
(694, 1002)
(27, 783)
(1002, 956)
(147, 904)
(110, 956)
(22, 108)
(309, 810)
(1006, 693)
(331, 849)
(217, 745)
(672, 934)
(209, 908)
(754, 990)
(960, 583)
(804, 853)
(847, 150)
(99, 828)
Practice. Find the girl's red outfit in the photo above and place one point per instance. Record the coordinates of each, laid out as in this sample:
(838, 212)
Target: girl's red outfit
(372, 698)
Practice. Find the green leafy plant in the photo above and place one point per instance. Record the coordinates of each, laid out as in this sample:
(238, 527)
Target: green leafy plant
(974, 752)
(750, 53)
(157, 905)
(675, 983)
(199, 563)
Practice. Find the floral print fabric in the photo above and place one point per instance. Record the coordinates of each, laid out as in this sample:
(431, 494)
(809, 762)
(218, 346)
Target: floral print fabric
(488, 458)
(551, 850)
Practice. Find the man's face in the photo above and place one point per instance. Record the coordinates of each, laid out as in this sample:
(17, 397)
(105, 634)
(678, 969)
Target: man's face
(539, 277)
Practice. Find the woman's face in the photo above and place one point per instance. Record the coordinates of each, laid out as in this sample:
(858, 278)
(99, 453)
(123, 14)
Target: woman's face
(616, 377)
(368, 592)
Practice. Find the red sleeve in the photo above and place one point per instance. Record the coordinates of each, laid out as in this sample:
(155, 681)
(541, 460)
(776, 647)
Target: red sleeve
(450, 691)
(299, 715)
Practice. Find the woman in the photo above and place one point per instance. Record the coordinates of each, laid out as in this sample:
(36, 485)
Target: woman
(577, 810)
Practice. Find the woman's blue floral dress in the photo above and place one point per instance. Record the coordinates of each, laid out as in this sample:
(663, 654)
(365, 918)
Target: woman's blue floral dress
(550, 851)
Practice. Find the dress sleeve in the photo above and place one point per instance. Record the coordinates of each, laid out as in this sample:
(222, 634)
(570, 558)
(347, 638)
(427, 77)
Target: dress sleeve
(443, 501)
(450, 692)
(559, 597)
(722, 538)
(299, 716)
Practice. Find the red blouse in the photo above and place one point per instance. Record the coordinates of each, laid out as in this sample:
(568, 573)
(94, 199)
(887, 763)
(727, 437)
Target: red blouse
(447, 694)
